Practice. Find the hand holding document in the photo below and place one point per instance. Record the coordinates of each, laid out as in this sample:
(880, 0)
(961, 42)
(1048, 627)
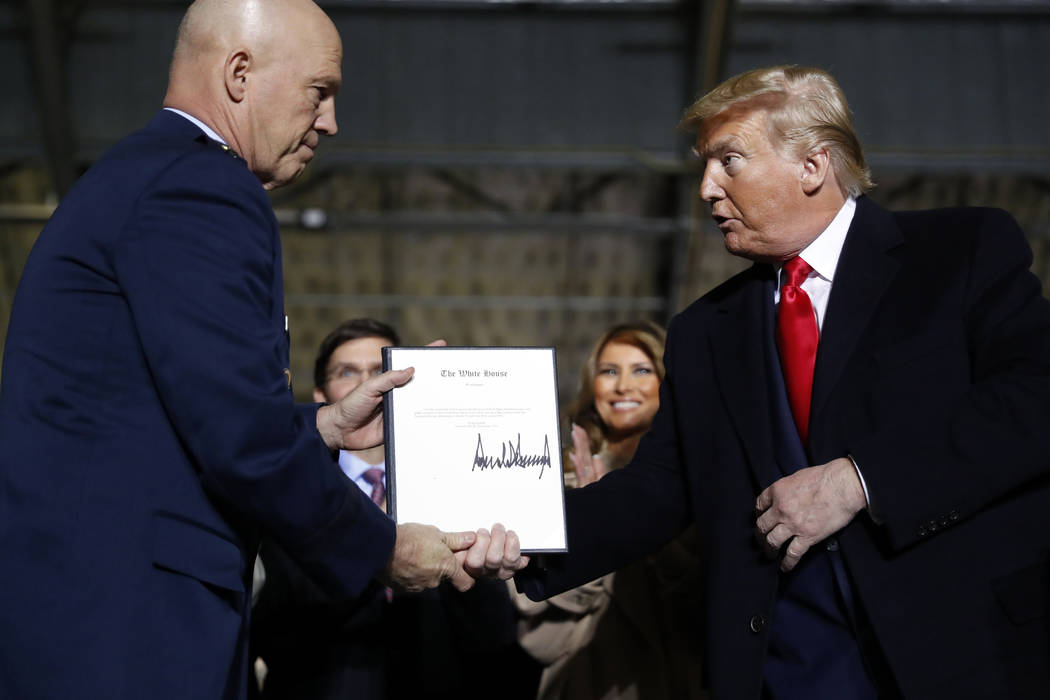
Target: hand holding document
(473, 440)
(354, 423)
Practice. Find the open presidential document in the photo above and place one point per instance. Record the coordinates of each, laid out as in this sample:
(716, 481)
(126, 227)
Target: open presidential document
(473, 439)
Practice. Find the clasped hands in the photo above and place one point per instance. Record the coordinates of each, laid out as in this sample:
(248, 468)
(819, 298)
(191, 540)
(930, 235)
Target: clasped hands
(807, 507)
(425, 556)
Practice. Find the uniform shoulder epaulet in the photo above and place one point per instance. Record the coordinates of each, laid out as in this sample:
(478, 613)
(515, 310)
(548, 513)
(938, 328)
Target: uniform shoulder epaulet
(227, 149)
(212, 143)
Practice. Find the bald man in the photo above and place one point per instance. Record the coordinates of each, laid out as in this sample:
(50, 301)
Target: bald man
(148, 435)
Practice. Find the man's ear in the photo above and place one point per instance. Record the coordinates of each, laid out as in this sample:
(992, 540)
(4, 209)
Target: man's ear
(815, 170)
(235, 73)
(319, 396)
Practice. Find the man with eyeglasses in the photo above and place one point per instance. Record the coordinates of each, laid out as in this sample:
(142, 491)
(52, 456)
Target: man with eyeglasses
(349, 355)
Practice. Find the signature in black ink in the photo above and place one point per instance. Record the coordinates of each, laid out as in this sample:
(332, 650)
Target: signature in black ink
(511, 456)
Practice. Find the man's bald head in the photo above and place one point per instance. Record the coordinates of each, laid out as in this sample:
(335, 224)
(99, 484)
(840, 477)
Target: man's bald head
(263, 74)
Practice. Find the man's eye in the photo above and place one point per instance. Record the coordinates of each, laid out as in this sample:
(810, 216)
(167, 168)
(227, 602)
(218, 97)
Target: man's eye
(347, 373)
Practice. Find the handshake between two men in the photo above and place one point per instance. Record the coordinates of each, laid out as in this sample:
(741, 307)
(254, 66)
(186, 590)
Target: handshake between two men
(423, 555)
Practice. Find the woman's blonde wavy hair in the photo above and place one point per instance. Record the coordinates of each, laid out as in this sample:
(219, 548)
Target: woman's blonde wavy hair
(644, 335)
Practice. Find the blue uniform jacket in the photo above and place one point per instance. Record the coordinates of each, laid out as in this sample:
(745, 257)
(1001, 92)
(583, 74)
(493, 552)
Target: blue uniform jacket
(148, 435)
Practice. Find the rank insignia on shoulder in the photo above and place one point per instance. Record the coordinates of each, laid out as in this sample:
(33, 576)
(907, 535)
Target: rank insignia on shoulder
(229, 150)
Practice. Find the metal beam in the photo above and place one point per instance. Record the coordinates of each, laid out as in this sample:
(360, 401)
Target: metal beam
(635, 304)
(707, 48)
(475, 222)
(715, 28)
(46, 59)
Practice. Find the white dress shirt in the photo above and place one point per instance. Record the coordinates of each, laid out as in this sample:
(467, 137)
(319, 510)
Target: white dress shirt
(201, 125)
(823, 256)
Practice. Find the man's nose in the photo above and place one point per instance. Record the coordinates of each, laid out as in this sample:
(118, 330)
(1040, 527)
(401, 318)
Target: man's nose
(325, 122)
(709, 188)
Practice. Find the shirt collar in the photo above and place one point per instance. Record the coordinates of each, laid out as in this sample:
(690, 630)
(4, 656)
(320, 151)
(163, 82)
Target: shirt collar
(353, 466)
(823, 253)
(203, 127)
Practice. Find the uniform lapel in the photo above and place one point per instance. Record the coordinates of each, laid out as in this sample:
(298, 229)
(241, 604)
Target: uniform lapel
(738, 348)
(864, 271)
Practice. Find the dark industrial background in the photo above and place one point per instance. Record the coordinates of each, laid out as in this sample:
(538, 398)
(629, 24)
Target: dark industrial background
(509, 173)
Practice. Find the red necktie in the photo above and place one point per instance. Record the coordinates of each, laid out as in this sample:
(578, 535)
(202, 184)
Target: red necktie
(374, 476)
(797, 337)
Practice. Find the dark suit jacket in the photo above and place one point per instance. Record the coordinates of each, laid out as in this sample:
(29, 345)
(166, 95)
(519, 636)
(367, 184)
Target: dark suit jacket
(314, 647)
(934, 372)
(439, 643)
(148, 434)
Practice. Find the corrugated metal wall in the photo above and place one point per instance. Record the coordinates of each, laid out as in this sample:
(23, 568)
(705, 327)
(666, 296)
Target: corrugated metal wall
(511, 174)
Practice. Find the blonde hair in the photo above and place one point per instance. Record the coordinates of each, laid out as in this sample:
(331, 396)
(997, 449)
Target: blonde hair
(644, 335)
(806, 111)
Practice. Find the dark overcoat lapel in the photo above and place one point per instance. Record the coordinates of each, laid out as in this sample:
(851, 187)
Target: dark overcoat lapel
(738, 342)
(864, 271)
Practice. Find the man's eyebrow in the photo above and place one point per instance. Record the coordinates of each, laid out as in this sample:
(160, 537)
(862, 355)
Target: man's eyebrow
(327, 80)
(726, 143)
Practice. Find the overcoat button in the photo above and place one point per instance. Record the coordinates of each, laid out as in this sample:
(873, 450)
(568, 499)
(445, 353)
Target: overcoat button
(758, 623)
(832, 545)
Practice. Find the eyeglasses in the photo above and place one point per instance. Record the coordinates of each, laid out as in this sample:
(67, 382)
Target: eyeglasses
(347, 373)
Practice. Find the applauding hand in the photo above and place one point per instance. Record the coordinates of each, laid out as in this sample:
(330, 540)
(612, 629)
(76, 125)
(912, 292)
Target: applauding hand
(589, 468)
